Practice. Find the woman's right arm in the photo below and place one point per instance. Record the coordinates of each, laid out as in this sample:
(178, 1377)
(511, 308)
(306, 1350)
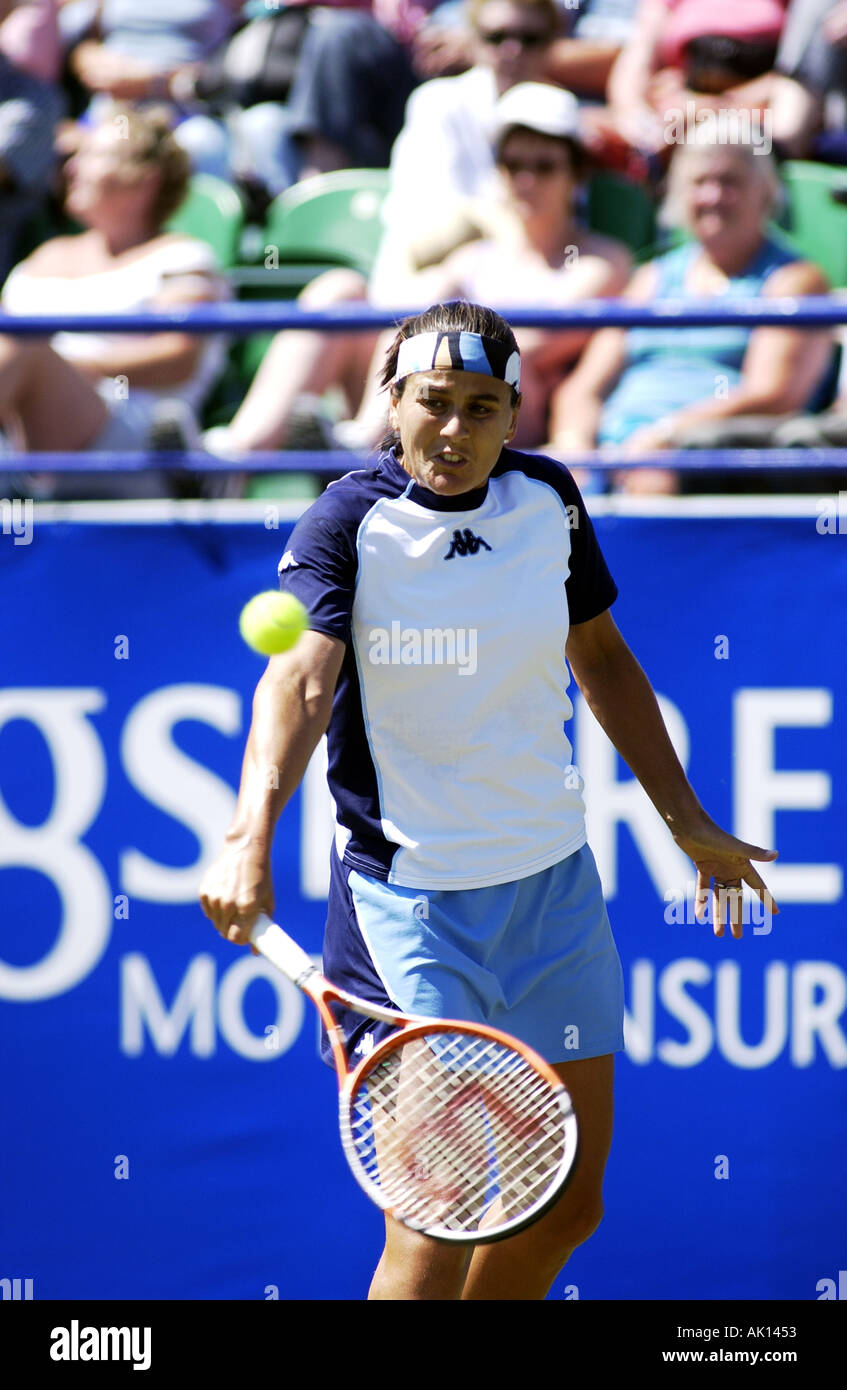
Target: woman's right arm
(291, 710)
(577, 405)
(629, 79)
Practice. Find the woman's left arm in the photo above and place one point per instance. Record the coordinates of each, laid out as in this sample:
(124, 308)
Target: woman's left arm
(159, 359)
(781, 367)
(622, 700)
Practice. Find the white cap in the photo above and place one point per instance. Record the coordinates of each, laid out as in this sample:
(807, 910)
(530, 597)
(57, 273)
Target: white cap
(537, 106)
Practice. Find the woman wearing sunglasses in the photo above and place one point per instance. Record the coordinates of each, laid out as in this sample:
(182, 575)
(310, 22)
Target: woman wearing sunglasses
(541, 256)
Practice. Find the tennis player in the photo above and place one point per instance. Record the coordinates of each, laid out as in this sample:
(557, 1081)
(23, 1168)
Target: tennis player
(445, 583)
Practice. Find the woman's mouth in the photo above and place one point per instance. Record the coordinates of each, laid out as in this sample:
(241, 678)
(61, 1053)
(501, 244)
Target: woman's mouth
(450, 458)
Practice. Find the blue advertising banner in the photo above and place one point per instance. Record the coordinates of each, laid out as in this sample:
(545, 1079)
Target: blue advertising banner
(168, 1130)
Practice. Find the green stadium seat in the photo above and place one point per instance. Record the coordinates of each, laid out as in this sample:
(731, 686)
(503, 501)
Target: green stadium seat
(816, 225)
(322, 222)
(622, 209)
(213, 212)
(332, 218)
(300, 487)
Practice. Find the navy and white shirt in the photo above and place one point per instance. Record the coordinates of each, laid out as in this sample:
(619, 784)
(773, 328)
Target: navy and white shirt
(448, 760)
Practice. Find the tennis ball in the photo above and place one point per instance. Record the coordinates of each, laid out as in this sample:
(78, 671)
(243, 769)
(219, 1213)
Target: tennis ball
(272, 622)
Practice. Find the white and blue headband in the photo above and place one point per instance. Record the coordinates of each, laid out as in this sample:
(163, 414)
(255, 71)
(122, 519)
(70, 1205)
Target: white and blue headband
(459, 351)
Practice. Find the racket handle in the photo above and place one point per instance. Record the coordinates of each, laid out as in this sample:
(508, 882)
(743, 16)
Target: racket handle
(277, 947)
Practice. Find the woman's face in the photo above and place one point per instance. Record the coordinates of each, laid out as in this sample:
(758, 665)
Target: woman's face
(102, 178)
(724, 197)
(452, 425)
(538, 174)
(513, 41)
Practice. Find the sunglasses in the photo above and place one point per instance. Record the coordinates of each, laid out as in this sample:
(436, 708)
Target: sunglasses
(527, 38)
(542, 168)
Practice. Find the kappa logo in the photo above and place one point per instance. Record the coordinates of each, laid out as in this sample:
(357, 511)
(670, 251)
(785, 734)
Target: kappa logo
(365, 1045)
(465, 543)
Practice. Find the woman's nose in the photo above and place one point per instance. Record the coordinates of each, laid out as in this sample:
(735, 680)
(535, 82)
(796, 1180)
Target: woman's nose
(456, 425)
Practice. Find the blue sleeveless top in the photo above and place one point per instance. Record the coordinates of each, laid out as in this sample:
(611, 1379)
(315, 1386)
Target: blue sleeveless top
(668, 369)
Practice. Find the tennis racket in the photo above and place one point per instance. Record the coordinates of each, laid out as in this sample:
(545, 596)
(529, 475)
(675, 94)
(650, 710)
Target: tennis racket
(455, 1129)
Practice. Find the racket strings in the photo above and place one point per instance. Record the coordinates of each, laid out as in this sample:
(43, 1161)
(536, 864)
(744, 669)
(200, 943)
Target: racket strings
(456, 1131)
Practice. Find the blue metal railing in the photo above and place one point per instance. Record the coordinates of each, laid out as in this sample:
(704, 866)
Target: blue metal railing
(260, 316)
(332, 462)
(263, 316)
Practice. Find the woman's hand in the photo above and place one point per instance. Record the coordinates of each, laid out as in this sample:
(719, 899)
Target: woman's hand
(648, 439)
(721, 857)
(236, 889)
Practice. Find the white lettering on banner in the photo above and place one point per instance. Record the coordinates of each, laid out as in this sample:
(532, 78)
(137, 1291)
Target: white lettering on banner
(813, 1016)
(810, 1011)
(141, 1003)
(609, 801)
(760, 789)
(686, 1011)
(193, 1009)
(803, 1003)
(55, 847)
(186, 790)
(196, 797)
(728, 1015)
(289, 1009)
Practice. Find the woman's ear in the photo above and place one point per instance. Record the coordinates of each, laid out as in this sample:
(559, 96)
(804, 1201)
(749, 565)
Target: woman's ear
(513, 423)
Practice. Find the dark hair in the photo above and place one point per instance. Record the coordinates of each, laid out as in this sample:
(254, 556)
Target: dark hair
(456, 316)
(580, 160)
(715, 62)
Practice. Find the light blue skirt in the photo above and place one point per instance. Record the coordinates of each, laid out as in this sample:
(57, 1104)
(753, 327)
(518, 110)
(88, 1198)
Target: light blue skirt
(535, 957)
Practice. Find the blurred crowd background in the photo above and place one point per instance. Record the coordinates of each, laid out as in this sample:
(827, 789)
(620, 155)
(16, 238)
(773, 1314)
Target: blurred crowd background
(523, 153)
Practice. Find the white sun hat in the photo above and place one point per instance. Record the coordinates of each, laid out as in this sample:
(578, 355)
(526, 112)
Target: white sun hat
(537, 106)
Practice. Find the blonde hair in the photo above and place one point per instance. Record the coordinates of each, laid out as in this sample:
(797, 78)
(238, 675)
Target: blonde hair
(702, 141)
(148, 140)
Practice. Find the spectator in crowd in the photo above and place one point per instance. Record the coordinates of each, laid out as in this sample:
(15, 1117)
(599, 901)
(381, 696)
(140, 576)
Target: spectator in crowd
(810, 99)
(102, 391)
(534, 256)
(688, 56)
(541, 257)
(443, 156)
(580, 59)
(302, 90)
(646, 389)
(29, 37)
(132, 50)
(29, 110)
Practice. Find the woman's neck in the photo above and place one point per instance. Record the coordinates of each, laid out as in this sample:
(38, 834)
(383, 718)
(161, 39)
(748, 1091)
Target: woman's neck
(551, 240)
(731, 258)
(116, 239)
